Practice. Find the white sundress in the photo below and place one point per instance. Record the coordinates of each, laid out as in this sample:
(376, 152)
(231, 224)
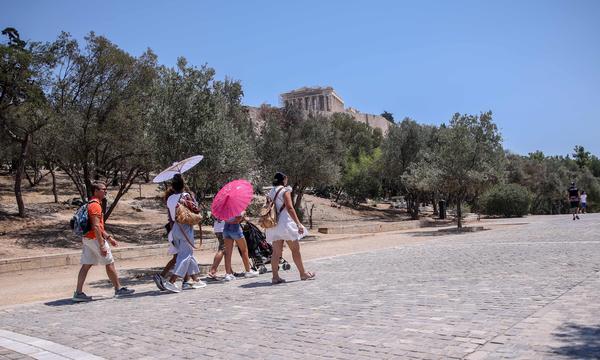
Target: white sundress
(286, 228)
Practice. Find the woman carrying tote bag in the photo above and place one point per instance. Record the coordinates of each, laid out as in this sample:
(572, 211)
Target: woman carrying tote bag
(182, 236)
(288, 229)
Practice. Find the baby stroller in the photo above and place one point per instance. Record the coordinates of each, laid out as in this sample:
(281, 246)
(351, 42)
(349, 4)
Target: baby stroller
(259, 250)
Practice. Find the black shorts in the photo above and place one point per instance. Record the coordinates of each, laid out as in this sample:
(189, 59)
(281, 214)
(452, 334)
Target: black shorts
(574, 204)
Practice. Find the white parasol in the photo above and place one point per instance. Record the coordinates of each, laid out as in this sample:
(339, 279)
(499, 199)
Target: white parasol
(177, 168)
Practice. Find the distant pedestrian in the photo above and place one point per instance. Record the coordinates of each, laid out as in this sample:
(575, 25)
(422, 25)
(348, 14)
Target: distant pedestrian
(288, 229)
(183, 240)
(96, 249)
(232, 232)
(574, 200)
(218, 226)
(583, 202)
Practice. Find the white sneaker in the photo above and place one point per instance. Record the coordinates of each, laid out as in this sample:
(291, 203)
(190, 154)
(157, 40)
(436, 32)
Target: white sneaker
(229, 277)
(197, 284)
(251, 274)
(170, 287)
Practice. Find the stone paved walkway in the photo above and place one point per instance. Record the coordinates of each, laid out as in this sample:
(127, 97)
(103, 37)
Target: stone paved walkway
(7, 354)
(523, 291)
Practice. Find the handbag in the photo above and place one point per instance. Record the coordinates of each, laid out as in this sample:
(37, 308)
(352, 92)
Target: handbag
(269, 215)
(187, 212)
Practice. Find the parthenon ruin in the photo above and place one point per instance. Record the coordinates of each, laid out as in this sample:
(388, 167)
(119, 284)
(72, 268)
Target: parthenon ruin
(326, 101)
(314, 99)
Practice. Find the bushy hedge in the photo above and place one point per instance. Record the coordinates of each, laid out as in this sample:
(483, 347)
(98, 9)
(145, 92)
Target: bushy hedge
(506, 200)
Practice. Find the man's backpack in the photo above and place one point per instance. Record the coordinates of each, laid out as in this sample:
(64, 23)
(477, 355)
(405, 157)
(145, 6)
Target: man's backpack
(268, 214)
(80, 222)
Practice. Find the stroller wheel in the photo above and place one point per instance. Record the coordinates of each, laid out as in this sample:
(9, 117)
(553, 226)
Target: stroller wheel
(286, 266)
(262, 270)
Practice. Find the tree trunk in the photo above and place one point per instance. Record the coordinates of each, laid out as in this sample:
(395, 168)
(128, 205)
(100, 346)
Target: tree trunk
(87, 182)
(435, 207)
(339, 193)
(298, 201)
(31, 182)
(459, 213)
(414, 214)
(53, 184)
(123, 189)
(19, 174)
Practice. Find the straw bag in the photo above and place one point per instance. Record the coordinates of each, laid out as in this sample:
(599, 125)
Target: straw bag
(187, 211)
(269, 215)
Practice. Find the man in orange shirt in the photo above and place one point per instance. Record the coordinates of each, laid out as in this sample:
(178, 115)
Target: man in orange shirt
(95, 247)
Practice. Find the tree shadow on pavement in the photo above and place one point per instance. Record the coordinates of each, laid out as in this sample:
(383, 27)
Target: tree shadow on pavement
(581, 342)
(446, 232)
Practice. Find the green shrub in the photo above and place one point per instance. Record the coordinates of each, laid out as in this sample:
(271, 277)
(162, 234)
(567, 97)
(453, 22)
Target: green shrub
(506, 200)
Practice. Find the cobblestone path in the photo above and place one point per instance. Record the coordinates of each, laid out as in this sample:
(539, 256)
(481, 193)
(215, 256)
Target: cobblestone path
(522, 291)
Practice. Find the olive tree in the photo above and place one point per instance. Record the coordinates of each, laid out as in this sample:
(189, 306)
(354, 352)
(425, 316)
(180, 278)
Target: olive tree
(24, 72)
(470, 157)
(101, 96)
(192, 113)
(304, 146)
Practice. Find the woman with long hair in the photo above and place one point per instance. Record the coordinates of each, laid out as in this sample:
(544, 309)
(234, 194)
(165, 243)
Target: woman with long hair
(182, 238)
(288, 229)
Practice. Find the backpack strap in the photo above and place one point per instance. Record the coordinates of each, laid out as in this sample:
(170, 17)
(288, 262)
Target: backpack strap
(186, 237)
(275, 200)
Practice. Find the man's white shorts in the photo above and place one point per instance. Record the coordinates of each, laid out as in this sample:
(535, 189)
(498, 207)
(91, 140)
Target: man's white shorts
(91, 253)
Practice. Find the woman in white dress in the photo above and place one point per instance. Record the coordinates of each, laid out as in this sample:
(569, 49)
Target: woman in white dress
(288, 229)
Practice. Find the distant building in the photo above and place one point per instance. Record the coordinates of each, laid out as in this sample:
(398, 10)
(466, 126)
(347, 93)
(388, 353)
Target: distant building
(325, 101)
(314, 99)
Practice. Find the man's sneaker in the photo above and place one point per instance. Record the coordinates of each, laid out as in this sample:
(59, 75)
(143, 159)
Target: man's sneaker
(159, 282)
(80, 297)
(239, 274)
(170, 287)
(186, 286)
(577, 217)
(251, 274)
(124, 292)
(229, 277)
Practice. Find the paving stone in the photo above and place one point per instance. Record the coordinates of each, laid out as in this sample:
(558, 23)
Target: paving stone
(524, 291)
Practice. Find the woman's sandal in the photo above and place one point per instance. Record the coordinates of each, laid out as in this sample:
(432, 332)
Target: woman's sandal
(212, 276)
(309, 276)
(278, 281)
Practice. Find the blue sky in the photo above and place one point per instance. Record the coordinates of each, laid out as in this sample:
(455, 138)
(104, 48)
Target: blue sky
(535, 64)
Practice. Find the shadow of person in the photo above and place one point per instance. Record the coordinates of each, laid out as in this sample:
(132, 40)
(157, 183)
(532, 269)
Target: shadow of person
(69, 301)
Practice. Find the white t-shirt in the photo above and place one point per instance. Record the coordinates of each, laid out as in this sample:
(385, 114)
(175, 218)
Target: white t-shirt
(583, 198)
(172, 203)
(171, 206)
(218, 225)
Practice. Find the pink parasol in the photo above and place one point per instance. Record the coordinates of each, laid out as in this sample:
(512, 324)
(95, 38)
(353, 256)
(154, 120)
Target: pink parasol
(232, 199)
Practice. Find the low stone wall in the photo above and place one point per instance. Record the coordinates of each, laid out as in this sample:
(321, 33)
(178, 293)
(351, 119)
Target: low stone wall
(372, 227)
(72, 258)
